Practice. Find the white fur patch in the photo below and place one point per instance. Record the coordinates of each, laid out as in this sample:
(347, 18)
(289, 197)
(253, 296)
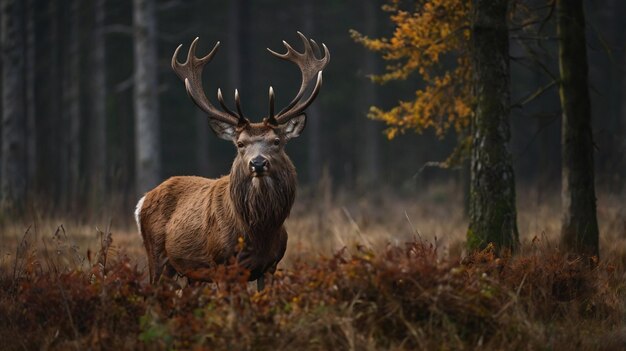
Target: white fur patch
(138, 214)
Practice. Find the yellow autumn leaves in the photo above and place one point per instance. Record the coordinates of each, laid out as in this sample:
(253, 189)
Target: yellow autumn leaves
(431, 40)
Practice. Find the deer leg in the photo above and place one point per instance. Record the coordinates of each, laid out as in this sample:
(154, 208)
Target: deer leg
(151, 260)
(167, 270)
(161, 261)
(260, 283)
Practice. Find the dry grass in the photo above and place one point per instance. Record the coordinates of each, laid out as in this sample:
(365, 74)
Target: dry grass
(404, 282)
(328, 222)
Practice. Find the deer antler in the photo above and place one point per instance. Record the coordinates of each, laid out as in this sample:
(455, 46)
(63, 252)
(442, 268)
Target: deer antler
(191, 73)
(309, 66)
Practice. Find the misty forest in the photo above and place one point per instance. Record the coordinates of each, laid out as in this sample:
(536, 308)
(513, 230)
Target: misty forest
(327, 175)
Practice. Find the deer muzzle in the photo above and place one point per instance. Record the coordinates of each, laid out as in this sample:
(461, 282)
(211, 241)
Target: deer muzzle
(259, 165)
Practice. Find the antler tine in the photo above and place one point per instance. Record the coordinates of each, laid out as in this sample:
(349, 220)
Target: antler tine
(220, 98)
(190, 72)
(305, 41)
(270, 118)
(242, 117)
(310, 66)
(300, 107)
(315, 47)
(175, 63)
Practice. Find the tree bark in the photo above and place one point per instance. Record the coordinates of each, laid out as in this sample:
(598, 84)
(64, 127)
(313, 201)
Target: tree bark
(147, 125)
(31, 103)
(579, 230)
(492, 196)
(98, 105)
(13, 172)
(71, 102)
(314, 120)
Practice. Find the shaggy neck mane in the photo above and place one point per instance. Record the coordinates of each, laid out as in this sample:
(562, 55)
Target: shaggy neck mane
(263, 203)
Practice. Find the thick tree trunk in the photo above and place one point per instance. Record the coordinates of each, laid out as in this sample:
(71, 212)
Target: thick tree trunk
(71, 103)
(13, 184)
(492, 197)
(314, 120)
(98, 95)
(579, 231)
(147, 130)
(31, 103)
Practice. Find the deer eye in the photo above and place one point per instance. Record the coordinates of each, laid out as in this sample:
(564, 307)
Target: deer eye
(240, 144)
(277, 141)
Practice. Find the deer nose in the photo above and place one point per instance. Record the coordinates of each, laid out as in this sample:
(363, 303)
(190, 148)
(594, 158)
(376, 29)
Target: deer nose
(258, 164)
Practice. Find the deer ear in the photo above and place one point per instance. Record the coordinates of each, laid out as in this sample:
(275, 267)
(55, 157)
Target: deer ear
(294, 127)
(223, 130)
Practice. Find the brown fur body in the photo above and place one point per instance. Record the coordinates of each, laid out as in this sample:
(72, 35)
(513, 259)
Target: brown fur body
(191, 224)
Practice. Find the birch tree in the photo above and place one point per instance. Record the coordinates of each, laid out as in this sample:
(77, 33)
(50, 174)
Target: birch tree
(145, 94)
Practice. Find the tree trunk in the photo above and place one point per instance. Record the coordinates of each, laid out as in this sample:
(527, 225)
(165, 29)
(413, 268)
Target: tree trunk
(314, 120)
(621, 130)
(55, 143)
(373, 133)
(202, 143)
(492, 197)
(147, 130)
(71, 102)
(239, 51)
(579, 230)
(98, 94)
(13, 172)
(31, 103)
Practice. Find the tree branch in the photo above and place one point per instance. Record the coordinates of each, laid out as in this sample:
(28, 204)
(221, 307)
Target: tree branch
(535, 95)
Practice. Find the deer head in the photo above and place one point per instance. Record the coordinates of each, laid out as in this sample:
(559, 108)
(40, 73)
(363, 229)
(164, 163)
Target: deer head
(260, 145)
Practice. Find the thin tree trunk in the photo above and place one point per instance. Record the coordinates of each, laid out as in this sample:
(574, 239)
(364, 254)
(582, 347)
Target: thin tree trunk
(98, 94)
(202, 144)
(31, 103)
(147, 130)
(621, 131)
(239, 52)
(72, 104)
(579, 231)
(492, 197)
(373, 133)
(13, 169)
(234, 49)
(55, 144)
(314, 120)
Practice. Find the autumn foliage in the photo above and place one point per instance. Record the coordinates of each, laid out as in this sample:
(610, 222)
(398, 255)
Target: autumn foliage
(399, 297)
(432, 41)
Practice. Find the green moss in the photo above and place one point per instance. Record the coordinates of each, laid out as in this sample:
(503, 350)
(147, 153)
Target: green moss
(473, 241)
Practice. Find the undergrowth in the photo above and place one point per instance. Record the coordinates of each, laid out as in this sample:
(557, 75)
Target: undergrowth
(400, 297)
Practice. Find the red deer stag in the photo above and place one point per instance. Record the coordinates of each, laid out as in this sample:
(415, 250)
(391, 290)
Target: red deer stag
(190, 225)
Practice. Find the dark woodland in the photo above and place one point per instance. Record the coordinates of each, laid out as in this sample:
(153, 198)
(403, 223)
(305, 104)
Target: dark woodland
(457, 183)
